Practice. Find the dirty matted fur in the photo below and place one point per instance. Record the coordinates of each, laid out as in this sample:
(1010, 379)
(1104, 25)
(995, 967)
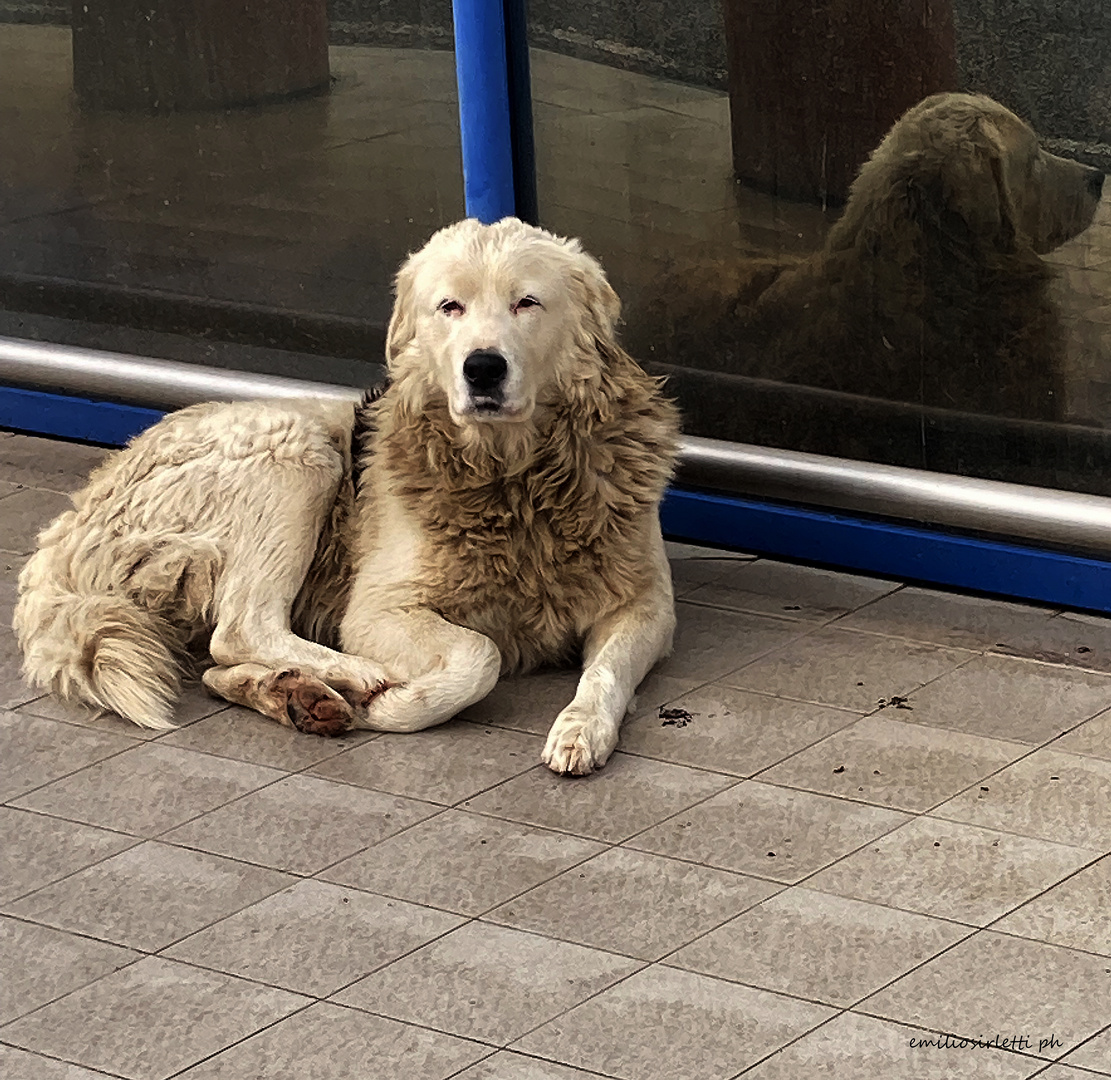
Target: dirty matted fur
(501, 512)
(930, 287)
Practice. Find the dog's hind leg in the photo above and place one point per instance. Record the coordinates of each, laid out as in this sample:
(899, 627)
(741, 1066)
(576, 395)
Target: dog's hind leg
(288, 696)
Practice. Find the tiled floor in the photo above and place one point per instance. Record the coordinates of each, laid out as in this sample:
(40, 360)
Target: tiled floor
(848, 816)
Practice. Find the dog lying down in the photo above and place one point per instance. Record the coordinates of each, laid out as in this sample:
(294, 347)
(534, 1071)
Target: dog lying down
(496, 508)
(929, 289)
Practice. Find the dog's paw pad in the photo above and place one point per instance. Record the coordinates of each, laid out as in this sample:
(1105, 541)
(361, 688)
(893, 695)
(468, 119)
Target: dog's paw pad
(313, 707)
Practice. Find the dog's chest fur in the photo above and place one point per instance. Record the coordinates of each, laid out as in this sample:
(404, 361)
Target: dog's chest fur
(532, 550)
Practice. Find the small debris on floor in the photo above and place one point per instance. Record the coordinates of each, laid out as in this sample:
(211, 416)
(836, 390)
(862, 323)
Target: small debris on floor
(675, 717)
(839, 769)
(896, 701)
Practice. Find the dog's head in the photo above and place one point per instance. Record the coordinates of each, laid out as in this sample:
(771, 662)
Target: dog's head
(972, 169)
(499, 318)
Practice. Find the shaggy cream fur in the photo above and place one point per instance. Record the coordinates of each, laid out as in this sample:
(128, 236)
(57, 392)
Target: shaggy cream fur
(502, 513)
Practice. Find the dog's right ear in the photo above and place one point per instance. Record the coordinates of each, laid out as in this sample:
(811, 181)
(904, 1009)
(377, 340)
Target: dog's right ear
(403, 320)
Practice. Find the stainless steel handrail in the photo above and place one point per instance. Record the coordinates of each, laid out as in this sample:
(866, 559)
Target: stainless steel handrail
(1040, 515)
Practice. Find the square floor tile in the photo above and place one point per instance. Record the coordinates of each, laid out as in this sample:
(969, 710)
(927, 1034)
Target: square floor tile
(37, 751)
(313, 938)
(326, 1042)
(951, 870)
(1074, 913)
(946, 618)
(628, 795)
(1067, 1072)
(674, 1025)
(796, 592)
(1094, 1054)
(26, 513)
(148, 789)
(194, 703)
(768, 831)
(710, 642)
(820, 947)
(36, 850)
(882, 760)
(1061, 797)
(149, 895)
(1036, 991)
(692, 566)
(48, 463)
(505, 1065)
(852, 1047)
(1092, 737)
(151, 1019)
(633, 903)
(40, 964)
(300, 824)
(1011, 699)
(20, 1065)
(1068, 638)
(847, 668)
(442, 765)
(462, 862)
(730, 731)
(487, 982)
(247, 736)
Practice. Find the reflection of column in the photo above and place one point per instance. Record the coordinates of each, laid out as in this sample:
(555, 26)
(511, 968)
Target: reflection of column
(814, 86)
(182, 54)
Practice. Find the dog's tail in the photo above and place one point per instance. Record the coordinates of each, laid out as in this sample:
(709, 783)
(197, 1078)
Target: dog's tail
(102, 650)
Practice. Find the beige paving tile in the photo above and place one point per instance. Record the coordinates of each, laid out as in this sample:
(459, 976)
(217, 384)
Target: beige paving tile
(149, 895)
(526, 702)
(732, 731)
(505, 1065)
(952, 870)
(673, 1025)
(41, 964)
(946, 618)
(628, 795)
(1069, 638)
(193, 704)
(1073, 913)
(462, 862)
(1094, 1054)
(331, 1042)
(487, 982)
(692, 566)
(853, 1047)
(796, 592)
(25, 1066)
(820, 947)
(442, 765)
(847, 668)
(1092, 737)
(1066, 1072)
(151, 1019)
(633, 903)
(1003, 698)
(1061, 797)
(300, 824)
(313, 937)
(1037, 991)
(36, 850)
(48, 463)
(37, 751)
(246, 736)
(25, 514)
(148, 789)
(882, 760)
(768, 831)
(710, 642)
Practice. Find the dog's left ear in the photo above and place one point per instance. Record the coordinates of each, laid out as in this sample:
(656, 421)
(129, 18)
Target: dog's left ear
(599, 304)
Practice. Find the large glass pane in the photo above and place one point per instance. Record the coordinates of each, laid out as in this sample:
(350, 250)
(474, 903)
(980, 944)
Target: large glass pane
(221, 182)
(954, 315)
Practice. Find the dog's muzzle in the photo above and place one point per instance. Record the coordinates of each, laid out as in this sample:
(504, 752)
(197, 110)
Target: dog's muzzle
(484, 372)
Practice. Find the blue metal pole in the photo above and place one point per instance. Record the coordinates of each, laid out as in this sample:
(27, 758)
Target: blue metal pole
(485, 118)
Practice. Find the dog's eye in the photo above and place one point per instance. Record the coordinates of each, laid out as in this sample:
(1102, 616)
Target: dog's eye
(451, 307)
(526, 302)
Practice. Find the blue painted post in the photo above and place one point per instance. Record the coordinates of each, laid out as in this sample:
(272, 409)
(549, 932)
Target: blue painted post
(484, 108)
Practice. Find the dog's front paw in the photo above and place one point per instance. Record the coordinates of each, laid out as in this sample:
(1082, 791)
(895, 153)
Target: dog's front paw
(578, 744)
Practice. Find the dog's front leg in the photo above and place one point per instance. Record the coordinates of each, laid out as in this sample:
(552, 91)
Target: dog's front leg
(617, 654)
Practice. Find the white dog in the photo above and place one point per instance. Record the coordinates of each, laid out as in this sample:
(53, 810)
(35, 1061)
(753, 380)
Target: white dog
(496, 508)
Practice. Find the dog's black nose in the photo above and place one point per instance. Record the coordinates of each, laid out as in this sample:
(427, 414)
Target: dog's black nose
(484, 370)
(1095, 183)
